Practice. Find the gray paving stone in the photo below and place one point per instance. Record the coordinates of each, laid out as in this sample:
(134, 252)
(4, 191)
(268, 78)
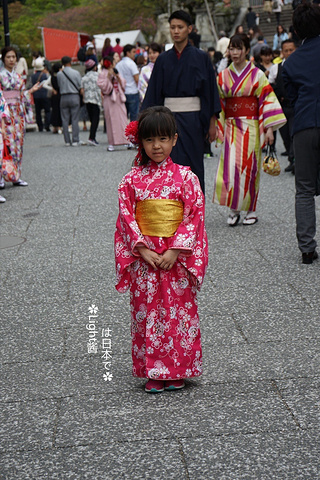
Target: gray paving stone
(26, 426)
(126, 461)
(302, 396)
(81, 374)
(263, 456)
(252, 414)
(264, 360)
(215, 412)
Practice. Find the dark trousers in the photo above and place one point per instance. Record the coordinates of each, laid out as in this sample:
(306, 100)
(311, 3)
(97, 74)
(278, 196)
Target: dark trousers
(306, 145)
(94, 115)
(285, 132)
(42, 104)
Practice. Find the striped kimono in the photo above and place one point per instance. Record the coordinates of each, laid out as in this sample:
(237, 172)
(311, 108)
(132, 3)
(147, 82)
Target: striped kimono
(238, 176)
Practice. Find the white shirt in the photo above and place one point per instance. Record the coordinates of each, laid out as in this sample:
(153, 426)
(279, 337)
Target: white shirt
(127, 68)
(273, 72)
(222, 45)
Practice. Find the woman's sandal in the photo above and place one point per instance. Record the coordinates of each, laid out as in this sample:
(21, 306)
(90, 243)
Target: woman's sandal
(233, 219)
(250, 220)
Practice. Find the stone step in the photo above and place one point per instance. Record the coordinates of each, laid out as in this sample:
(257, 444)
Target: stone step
(269, 28)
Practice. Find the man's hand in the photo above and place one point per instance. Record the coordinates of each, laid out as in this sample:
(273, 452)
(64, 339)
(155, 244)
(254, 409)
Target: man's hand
(168, 259)
(213, 132)
(149, 256)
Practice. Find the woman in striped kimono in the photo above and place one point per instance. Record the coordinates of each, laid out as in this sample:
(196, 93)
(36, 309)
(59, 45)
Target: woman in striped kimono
(250, 113)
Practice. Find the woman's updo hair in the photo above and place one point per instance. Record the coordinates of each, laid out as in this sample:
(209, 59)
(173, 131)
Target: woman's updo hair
(239, 41)
(6, 50)
(155, 122)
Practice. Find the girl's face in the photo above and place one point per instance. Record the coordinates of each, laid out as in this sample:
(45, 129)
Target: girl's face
(153, 55)
(116, 57)
(266, 58)
(238, 55)
(159, 148)
(10, 60)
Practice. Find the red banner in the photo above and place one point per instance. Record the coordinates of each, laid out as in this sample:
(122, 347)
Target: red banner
(58, 43)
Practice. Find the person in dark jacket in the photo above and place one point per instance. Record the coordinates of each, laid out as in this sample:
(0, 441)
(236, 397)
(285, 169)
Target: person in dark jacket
(301, 73)
(41, 100)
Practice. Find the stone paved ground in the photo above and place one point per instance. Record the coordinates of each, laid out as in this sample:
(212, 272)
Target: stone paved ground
(254, 414)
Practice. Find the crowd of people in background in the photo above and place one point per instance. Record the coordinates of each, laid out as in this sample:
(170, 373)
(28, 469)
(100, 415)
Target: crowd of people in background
(120, 81)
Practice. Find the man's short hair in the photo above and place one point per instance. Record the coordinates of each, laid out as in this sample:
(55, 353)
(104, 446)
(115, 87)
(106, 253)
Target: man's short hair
(306, 20)
(181, 15)
(65, 60)
(289, 40)
(117, 40)
(127, 48)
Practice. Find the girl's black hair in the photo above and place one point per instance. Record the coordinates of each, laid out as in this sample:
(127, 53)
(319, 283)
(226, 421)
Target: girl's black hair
(155, 122)
(266, 51)
(239, 41)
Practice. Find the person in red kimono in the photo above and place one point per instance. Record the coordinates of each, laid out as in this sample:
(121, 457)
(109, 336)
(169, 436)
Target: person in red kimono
(161, 255)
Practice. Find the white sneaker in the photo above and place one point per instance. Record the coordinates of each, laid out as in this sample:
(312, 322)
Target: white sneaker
(20, 183)
(130, 146)
(67, 144)
(111, 148)
(93, 143)
(2, 199)
(2, 184)
(78, 144)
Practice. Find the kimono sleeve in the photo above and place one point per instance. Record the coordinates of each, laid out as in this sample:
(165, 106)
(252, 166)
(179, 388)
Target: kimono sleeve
(127, 235)
(154, 94)
(220, 122)
(4, 109)
(210, 102)
(270, 111)
(191, 236)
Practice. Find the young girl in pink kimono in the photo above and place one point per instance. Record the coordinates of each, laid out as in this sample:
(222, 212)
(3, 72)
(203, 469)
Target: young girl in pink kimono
(161, 255)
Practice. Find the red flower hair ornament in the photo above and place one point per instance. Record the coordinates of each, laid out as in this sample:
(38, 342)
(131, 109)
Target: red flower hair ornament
(131, 133)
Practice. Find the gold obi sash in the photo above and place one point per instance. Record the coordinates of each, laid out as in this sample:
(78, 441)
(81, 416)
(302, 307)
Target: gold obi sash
(159, 217)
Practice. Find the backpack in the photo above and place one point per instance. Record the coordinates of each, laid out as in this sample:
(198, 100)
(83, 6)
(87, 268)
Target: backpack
(82, 54)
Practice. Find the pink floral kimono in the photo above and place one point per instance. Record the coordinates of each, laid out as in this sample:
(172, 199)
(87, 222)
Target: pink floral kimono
(114, 107)
(166, 342)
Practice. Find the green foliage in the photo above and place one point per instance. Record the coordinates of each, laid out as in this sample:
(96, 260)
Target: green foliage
(39, 7)
(87, 16)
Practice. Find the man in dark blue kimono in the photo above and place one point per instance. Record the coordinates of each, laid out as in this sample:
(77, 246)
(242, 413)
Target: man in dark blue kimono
(183, 80)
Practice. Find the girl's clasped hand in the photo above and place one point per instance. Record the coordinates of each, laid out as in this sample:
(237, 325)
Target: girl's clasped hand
(164, 261)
